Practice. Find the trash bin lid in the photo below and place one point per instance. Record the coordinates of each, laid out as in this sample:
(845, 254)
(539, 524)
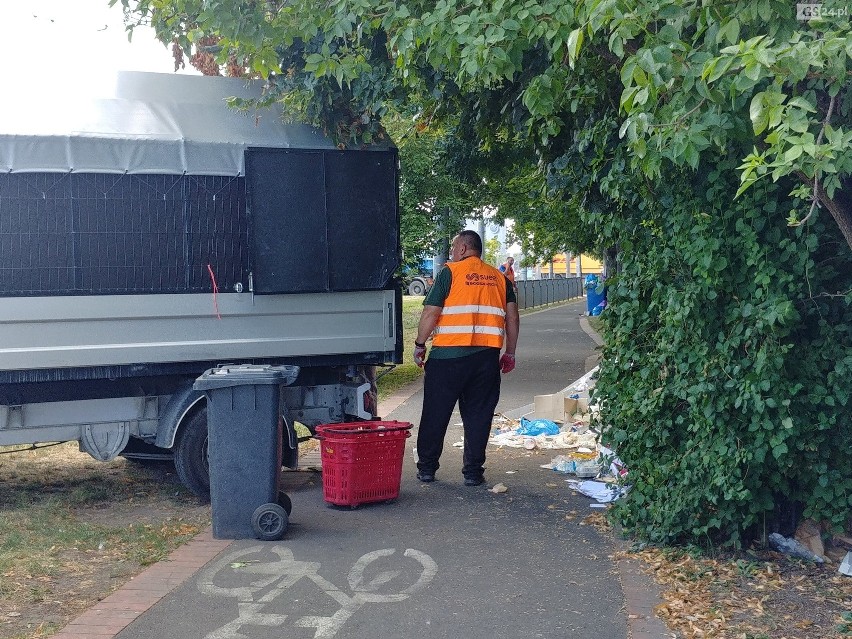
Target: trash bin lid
(245, 374)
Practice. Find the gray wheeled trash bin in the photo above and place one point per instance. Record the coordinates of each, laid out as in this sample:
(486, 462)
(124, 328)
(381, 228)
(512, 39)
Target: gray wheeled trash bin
(244, 423)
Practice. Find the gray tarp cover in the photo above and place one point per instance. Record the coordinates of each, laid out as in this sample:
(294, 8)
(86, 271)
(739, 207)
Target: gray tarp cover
(137, 122)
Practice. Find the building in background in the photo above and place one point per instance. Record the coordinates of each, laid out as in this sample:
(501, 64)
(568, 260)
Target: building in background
(567, 265)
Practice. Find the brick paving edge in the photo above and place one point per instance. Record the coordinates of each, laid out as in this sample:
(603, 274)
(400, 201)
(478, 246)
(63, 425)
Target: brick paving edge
(118, 610)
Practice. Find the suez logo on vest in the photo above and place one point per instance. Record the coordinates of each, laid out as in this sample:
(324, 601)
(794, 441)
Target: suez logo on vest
(475, 279)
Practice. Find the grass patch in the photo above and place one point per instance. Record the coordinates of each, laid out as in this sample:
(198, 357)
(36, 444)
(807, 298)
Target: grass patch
(407, 372)
(596, 323)
(72, 529)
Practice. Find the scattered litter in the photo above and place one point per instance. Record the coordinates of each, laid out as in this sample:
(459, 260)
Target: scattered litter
(570, 436)
(569, 428)
(597, 505)
(511, 440)
(459, 444)
(568, 421)
(846, 565)
(511, 472)
(616, 466)
(600, 491)
(537, 427)
(792, 547)
(582, 464)
(499, 488)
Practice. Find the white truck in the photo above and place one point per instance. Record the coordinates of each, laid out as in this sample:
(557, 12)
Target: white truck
(149, 232)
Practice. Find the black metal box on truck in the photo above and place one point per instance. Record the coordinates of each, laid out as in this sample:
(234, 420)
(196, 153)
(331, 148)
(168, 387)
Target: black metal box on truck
(245, 426)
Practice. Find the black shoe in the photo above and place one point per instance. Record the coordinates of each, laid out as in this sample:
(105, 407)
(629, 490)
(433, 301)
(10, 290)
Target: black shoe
(474, 481)
(425, 476)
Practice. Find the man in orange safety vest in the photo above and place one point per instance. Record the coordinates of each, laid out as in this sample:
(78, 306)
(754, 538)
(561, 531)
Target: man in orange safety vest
(471, 314)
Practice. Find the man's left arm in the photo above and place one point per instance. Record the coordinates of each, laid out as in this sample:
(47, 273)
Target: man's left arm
(513, 328)
(428, 321)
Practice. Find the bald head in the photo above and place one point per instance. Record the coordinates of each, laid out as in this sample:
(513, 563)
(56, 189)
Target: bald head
(471, 240)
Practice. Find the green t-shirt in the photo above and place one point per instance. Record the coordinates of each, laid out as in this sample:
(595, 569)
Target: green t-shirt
(436, 297)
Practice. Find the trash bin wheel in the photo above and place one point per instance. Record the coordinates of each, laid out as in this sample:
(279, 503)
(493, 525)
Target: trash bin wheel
(285, 502)
(269, 522)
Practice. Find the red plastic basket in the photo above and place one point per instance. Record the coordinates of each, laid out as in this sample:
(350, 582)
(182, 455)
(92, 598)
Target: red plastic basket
(362, 461)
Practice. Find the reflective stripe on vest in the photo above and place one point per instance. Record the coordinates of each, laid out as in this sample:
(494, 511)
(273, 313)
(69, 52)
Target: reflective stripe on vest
(457, 330)
(475, 308)
(474, 312)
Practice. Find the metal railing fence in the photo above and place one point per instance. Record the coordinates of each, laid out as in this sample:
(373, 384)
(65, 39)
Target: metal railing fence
(532, 293)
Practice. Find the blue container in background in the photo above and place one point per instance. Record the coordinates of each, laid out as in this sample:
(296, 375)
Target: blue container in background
(593, 298)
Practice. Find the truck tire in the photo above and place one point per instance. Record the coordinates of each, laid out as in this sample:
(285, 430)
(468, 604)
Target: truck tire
(417, 287)
(191, 464)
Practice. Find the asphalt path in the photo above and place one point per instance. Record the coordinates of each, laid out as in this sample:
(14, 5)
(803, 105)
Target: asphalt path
(441, 561)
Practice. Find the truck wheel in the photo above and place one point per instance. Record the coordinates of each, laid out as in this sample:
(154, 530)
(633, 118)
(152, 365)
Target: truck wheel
(417, 287)
(191, 463)
(269, 522)
(285, 502)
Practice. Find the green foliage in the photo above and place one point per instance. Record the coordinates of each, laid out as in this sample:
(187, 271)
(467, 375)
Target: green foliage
(431, 198)
(493, 252)
(697, 78)
(845, 625)
(728, 363)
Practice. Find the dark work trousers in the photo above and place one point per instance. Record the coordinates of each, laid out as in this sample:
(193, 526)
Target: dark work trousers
(473, 381)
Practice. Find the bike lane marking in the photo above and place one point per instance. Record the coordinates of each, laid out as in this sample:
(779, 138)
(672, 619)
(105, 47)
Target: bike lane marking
(280, 575)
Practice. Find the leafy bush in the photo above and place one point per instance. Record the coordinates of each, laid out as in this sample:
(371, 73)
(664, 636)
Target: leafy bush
(727, 364)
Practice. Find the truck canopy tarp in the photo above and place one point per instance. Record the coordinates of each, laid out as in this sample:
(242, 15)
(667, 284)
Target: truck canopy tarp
(136, 122)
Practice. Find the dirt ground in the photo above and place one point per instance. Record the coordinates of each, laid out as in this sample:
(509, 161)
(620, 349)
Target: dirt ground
(87, 577)
(755, 595)
(101, 523)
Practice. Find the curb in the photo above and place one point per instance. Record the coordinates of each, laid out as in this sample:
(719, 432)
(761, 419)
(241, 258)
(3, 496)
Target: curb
(641, 596)
(390, 404)
(116, 611)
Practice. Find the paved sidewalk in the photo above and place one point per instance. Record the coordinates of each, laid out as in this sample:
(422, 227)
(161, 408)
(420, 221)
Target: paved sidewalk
(456, 561)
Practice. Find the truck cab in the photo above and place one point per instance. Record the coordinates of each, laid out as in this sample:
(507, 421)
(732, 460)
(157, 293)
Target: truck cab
(418, 280)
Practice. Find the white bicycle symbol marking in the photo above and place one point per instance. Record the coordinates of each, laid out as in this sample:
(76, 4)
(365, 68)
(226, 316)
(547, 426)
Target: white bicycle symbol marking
(280, 575)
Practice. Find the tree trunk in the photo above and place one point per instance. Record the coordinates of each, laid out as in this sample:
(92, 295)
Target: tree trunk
(840, 208)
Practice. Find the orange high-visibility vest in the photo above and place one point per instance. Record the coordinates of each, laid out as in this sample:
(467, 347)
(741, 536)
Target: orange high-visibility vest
(474, 312)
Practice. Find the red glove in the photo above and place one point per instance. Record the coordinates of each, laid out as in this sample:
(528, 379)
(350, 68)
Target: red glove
(507, 363)
(420, 355)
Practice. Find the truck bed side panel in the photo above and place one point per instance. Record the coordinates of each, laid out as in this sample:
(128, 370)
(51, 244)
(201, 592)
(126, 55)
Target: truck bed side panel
(104, 330)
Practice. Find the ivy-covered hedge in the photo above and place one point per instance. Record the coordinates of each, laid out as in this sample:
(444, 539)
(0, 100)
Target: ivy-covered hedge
(727, 364)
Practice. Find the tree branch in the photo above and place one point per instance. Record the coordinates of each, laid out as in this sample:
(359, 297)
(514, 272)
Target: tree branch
(825, 123)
